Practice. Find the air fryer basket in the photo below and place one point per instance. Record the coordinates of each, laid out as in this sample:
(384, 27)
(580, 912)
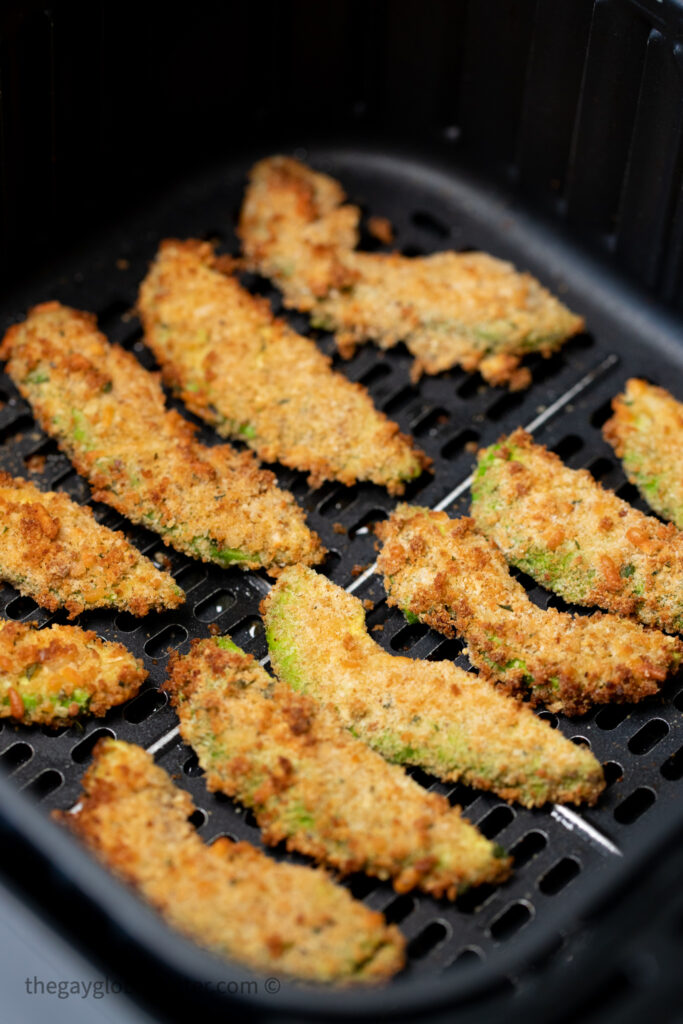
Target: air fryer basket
(554, 934)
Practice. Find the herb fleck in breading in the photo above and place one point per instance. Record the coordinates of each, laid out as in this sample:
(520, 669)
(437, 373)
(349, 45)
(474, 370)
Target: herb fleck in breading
(252, 377)
(50, 676)
(432, 714)
(646, 432)
(108, 415)
(445, 573)
(576, 538)
(273, 749)
(229, 897)
(55, 551)
(451, 309)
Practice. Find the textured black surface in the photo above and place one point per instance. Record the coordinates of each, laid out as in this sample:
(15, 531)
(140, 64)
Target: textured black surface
(430, 208)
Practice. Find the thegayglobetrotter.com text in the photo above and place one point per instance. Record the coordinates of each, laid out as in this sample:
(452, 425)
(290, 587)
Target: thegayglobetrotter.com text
(80, 988)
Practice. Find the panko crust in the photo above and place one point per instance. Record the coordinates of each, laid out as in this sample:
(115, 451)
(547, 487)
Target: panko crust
(229, 897)
(432, 714)
(575, 537)
(108, 414)
(448, 575)
(451, 309)
(51, 676)
(272, 749)
(55, 551)
(252, 377)
(646, 432)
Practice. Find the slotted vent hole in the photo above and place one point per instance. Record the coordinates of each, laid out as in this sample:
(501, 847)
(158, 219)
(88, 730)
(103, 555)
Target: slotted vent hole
(469, 955)
(190, 577)
(21, 607)
(504, 405)
(215, 605)
(600, 468)
(400, 400)
(82, 752)
(170, 638)
(338, 501)
(550, 718)
(127, 623)
(457, 444)
(47, 782)
(198, 817)
(613, 772)
(528, 847)
(365, 523)
(376, 373)
(602, 414)
(16, 755)
(431, 422)
(513, 918)
(192, 767)
(635, 805)
(559, 876)
(248, 630)
(144, 706)
(408, 636)
(399, 909)
(649, 736)
(672, 769)
(449, 650)
(610, 717)
(428, 940)
(496, 820)
(568, 446)
(475, 898)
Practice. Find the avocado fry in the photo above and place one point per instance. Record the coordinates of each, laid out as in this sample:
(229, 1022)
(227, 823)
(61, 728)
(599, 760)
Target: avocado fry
(229, 897)
(55, 551)
(252, 377)
(273, 749)
(575, 537)
(108, 415)
(451, 309)
(50, 676)
(445, 573)
(432, 714)
(646, 432)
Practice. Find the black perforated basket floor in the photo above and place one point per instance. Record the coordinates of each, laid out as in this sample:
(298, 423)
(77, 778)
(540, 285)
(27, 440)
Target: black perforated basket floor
(431, 207)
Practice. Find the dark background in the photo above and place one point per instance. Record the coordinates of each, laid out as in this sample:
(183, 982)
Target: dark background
(578, 105)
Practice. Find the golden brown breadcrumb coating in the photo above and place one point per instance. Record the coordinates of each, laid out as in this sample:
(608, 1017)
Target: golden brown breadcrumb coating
(55, 551)
(646, 432)
(451, 309)
(272, 749)
(229, 897)
(108, 415)
(49, 676)
(444, 572)
(428, 713)
(576, 538)
(252, 377)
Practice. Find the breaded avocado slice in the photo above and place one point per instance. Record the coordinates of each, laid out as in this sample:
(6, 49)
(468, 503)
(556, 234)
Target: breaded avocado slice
(445, 573)
(55, 551)
(108, 415)
(253, 378)
(50, 676)
(575, 537)
(646, 432)
(229, 897)
(273, 749)
(432, 714)
(451, 309)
